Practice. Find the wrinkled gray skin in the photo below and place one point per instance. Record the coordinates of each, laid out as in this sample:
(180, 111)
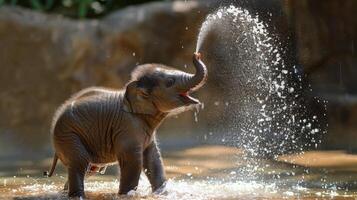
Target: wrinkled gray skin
(99, 125)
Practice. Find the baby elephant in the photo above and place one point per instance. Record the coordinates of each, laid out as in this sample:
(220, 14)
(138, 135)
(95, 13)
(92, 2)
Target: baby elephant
(97, 126)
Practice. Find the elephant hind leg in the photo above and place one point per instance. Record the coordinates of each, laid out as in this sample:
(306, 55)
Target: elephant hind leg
(76, 181)
(76, 160)
(65, 187)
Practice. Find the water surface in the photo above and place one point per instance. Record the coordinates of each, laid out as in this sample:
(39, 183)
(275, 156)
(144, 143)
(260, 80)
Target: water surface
(206, 172)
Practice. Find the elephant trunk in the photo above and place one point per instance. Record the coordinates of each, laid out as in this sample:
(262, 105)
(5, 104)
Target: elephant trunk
(196, 81)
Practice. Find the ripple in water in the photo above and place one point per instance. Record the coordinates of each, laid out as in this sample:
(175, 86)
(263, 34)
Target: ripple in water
(176, 189)
(268, 113)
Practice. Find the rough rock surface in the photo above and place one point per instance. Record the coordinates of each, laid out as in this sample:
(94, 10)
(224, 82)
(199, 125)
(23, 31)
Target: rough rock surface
(45, 58)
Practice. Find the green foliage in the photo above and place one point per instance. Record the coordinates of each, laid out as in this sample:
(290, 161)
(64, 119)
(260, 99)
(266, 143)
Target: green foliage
(75, 8)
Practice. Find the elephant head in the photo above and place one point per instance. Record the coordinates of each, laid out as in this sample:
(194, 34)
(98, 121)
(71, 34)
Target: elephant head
(157, 88)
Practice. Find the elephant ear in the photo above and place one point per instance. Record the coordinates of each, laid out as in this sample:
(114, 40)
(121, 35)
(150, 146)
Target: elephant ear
(137, 100)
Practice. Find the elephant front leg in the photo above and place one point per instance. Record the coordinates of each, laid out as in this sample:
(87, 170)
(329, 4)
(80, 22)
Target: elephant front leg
(154, 167)
(130, 170)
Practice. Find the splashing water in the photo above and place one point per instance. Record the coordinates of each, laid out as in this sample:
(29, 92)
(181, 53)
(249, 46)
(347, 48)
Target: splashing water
(197, 173)
(267, 113)
(41, 188)
(181, 189)
(205, 28)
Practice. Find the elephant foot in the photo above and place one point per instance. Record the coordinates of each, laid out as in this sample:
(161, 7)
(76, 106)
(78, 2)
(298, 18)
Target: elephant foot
(76, 195)
(161, 190)
(77, 198)
(65, 187)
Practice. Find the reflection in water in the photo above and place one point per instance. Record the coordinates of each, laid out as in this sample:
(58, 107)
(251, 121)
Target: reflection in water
(210, 172)
(176, 189)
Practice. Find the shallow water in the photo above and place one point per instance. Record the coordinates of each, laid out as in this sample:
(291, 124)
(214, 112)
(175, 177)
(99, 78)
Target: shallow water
(207, 172)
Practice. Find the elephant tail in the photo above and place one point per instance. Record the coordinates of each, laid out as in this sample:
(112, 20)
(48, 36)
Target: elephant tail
(53, 167)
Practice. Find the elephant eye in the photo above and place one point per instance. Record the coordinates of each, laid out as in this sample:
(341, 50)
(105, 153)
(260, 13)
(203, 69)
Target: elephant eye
(170, 82)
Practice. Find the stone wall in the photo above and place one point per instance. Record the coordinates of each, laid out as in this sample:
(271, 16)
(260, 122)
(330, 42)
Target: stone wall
(46, 58)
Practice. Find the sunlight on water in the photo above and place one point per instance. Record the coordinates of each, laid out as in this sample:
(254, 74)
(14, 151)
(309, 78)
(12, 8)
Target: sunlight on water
(206, 172)
(175, 189)
(216, 189)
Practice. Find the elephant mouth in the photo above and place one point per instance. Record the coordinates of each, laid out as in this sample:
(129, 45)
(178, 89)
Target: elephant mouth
(187, 99)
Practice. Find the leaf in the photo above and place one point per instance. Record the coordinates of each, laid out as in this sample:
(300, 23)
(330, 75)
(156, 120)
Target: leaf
(49, 4)
(36, 4)
(83, 7)
(13, 2)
